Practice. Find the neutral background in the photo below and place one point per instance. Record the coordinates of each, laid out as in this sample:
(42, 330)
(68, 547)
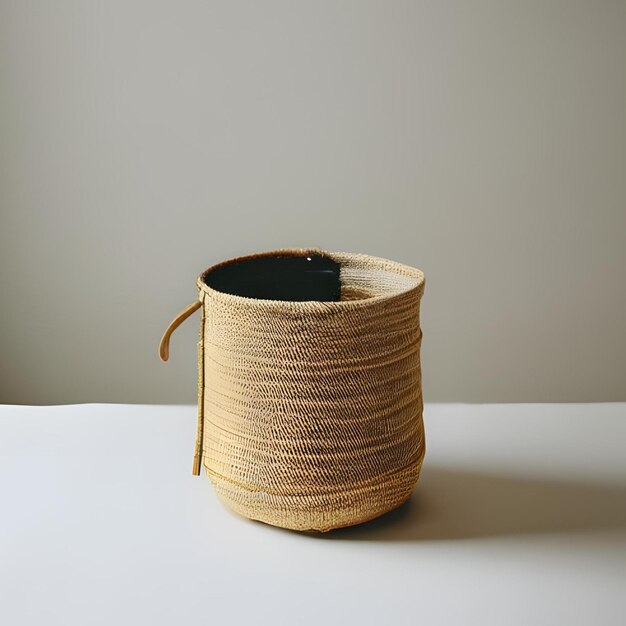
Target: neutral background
(484, 142)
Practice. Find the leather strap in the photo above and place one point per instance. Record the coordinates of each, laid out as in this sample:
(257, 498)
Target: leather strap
(164, 346)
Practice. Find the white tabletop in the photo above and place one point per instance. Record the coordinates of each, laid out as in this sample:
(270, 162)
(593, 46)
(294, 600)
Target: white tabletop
(519, 518)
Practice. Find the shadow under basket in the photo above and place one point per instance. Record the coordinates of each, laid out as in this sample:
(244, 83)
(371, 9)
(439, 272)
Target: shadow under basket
(309, 386)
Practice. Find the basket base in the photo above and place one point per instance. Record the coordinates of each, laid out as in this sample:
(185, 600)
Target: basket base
(319, 513)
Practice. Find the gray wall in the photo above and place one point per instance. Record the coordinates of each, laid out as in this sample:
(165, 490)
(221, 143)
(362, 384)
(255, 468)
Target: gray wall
(484, 142)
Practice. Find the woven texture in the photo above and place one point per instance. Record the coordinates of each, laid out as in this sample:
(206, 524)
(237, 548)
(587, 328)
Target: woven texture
(310, 413)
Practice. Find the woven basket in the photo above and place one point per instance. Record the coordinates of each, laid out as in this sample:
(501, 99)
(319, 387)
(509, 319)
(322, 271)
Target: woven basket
(310, 411)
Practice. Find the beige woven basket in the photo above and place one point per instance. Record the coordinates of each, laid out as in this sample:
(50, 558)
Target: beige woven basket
(309, 411)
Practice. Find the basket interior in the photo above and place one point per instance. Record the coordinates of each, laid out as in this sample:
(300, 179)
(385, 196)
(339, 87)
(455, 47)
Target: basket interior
(284, 276)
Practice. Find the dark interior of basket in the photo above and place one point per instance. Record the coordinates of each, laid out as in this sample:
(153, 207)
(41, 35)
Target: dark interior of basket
(284, 276)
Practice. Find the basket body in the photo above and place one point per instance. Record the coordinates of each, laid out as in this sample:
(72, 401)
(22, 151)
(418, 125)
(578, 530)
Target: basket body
(310, 413)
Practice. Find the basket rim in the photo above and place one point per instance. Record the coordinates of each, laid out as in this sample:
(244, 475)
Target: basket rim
(308, 305)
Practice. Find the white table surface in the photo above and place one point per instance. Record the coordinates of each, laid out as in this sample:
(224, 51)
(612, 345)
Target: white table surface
(519, 518)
